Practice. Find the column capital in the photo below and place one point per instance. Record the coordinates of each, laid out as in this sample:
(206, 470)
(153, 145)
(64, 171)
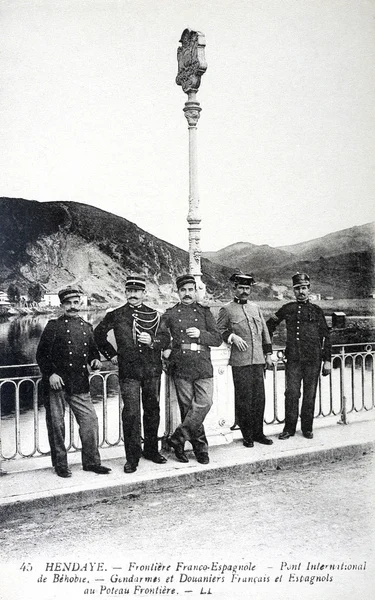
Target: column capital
(191, 60)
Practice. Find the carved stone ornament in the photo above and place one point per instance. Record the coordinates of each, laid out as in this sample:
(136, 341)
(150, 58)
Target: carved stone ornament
(191, 60)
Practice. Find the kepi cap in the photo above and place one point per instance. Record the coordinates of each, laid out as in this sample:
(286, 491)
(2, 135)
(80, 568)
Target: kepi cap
(242, 279)
(183, 279)
(300, 279)
(135, 281)
(69, 292)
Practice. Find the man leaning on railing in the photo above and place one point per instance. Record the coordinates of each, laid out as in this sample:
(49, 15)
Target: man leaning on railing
(308, 344)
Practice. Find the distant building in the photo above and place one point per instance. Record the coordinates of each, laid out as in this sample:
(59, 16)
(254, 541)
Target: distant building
(5, 305)
(315, 297)
(328, 298)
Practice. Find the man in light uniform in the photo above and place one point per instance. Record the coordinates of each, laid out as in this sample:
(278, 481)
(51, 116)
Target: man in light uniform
(242, 325)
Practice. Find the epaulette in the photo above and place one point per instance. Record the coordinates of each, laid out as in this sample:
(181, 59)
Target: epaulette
(174, 306)
(203, 305)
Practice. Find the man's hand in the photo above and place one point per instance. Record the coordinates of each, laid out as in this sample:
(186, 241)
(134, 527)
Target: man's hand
(56, 382)
(145, 338)
(239, 342)
(96, 364)
(193, 332)
(114, 360)
(326, 368)
(269, 361)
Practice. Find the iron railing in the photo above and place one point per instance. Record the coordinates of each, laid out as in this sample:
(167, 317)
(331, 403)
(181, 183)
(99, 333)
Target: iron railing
(349, 388)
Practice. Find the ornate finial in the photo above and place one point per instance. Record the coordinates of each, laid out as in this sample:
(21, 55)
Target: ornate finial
(191, 60)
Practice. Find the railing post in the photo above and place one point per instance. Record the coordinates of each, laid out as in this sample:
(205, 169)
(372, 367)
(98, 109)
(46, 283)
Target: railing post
(343, 420)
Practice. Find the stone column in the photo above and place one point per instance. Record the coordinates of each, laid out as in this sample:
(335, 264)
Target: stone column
(191, 66)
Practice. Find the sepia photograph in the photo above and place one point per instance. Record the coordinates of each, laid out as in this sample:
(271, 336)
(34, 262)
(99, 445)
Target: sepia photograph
(187, 299)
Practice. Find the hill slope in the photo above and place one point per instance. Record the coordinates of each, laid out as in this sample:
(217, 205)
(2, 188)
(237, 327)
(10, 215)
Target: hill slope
(59, 243)
(341, 264)
(355, 239)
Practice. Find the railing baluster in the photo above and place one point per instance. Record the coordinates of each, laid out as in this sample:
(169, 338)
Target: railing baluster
(354, 359)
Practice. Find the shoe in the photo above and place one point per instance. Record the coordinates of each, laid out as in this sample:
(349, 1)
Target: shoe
(263, 440)
(308, 434)
(99, 469)
(61, 472)
(285, 435)
(157, 458)
(178, 450)
(130, 467)
(248, 443)
(203, 458)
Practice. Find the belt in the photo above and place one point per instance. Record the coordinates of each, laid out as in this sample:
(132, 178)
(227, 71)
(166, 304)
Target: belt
(193, 347)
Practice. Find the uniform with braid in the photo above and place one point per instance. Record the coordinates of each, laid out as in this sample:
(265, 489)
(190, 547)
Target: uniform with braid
(140, 369)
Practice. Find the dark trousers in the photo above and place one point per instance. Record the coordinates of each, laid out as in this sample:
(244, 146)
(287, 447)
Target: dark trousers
(84, 412)
(296, 373)
(249, 399)
(194, 400)
(131, 416)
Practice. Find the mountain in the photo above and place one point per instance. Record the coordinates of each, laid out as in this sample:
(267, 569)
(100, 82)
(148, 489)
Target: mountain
(61, 243)
(341, 264)
(350, 275)
(246, 256)
(355, 239)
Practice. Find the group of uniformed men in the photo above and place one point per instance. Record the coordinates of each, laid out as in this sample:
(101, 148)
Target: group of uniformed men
(182, 336)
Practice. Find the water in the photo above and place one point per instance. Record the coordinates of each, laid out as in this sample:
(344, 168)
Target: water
(19, 336)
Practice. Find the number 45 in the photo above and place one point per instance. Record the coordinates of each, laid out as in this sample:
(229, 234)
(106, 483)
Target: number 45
(26, 567)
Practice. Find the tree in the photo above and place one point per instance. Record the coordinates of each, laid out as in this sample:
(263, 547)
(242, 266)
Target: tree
(13, 293)
(35, 292)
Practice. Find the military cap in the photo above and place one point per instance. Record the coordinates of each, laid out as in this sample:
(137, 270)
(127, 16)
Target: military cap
(242, 279)
(135, 281)
(300, 279)
(183, 279)
(69, 292)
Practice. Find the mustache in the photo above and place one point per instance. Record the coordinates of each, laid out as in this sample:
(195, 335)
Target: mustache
(73, 309)
(188, 298)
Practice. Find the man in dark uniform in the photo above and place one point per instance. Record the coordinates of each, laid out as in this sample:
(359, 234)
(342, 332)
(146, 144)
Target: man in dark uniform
(192, 330)
(242, 325)
(138, 356)
(65, 349)
(308, 343)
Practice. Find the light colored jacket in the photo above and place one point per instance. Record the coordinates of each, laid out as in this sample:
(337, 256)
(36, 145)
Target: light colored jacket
(247, 321)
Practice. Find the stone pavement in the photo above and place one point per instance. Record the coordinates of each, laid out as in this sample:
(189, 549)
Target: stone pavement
(32, 483)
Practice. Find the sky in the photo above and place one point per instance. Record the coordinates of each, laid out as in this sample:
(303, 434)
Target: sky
(90, 112)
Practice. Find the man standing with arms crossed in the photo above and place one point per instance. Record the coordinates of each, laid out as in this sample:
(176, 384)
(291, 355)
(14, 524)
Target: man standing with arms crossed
(65, 349)
(308, 343)
(242, 325)
(192, 330)
(135, 326)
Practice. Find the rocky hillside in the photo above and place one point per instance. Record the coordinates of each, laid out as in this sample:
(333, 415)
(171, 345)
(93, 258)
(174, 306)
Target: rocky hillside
(60, 243)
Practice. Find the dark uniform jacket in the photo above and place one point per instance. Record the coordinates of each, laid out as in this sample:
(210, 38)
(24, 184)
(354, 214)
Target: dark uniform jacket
(66, 347)
(185, 363)
(308, 335)
(135, 360)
